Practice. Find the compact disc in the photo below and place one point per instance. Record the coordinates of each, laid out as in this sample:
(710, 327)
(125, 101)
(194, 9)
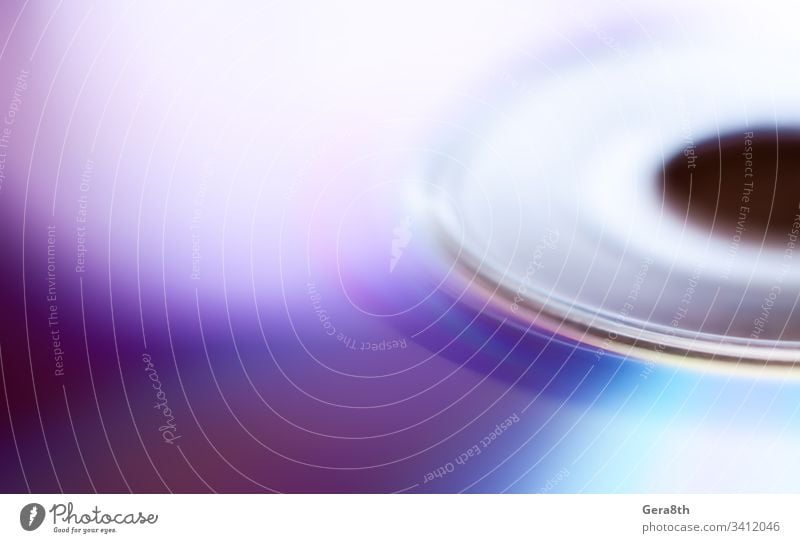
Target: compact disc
(436, 247)
(635, 198)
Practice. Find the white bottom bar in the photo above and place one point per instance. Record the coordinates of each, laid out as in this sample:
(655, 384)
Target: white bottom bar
(379, 518)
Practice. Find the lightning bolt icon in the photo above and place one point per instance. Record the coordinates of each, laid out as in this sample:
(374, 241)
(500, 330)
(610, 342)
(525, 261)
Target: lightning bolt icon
(34, 512)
